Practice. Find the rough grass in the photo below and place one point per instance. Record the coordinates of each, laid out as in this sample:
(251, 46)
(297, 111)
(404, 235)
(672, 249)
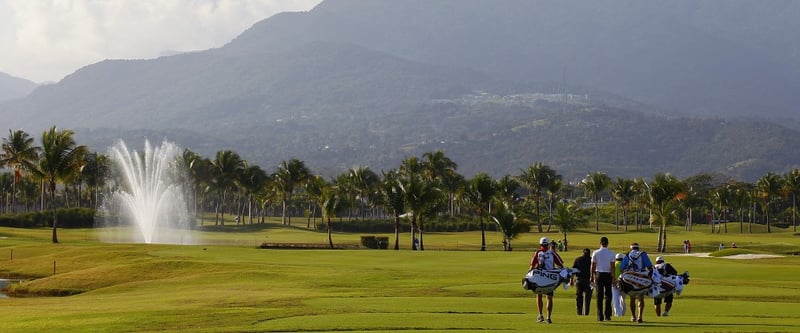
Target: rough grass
(227, 285)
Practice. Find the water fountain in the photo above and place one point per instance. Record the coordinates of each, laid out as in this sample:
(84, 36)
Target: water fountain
(149, 206)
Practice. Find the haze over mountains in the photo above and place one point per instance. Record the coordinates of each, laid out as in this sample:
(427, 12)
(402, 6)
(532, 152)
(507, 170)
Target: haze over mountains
(13, 87)
(627, 87)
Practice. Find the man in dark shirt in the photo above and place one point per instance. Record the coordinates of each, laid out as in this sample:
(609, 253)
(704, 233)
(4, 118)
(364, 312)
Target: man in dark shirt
(583, 294)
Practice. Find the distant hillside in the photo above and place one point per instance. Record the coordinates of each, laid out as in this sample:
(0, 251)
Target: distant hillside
(700, 57)
(627, 87)
(14, 87)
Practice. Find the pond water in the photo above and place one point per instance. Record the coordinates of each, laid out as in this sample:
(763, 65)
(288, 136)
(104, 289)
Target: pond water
(4, 283)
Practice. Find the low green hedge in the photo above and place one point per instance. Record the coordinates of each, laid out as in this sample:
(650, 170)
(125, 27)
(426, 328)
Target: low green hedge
(67, 218)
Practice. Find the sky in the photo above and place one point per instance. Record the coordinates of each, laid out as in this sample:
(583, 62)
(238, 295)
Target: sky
(45, 40)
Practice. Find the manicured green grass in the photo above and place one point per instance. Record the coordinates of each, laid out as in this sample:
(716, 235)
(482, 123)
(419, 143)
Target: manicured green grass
(227, 285)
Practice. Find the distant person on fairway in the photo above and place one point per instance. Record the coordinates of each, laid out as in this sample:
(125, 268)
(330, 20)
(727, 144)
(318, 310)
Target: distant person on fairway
(547, 259)
(637, 261)
(665, 269)
(583, 293)
(602, 277)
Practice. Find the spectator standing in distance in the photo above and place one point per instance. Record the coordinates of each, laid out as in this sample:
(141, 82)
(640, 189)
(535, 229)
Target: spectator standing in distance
(583, 293)
(602, 277)
(619, 297)
(637, 261)
(664, 269)
(547, 259)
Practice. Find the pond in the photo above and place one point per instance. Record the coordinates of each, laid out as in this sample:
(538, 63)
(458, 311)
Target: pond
(4, 283)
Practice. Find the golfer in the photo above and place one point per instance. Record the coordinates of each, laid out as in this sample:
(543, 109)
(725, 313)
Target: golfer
(602, 277)
(545, 259)
(583, 294)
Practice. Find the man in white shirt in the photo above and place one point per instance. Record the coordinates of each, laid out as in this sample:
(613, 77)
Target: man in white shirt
(603, 278)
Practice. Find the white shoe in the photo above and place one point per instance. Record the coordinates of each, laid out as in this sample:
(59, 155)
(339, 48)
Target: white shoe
(666, 314)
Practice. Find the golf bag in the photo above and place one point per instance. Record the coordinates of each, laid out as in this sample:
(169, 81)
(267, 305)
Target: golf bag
(672, 284)
(541, 281)
(636, 283)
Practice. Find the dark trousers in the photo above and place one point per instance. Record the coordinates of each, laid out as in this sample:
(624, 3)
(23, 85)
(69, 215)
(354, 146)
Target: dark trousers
(603, 287)
(583, 297)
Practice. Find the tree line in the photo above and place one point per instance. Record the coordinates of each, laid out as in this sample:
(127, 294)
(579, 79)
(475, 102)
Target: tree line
(59, 173)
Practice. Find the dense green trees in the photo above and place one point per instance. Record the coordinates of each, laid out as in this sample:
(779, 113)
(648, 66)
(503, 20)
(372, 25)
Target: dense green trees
(420, 190)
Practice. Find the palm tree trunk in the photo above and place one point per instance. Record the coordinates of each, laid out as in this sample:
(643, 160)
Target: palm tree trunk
(794, 212)
(625, 217)
(483, 234)
(538, 217)
(596, 217)
(55, 214)
(421, 242)
(396, 232)
(330, 239)
(414, 232)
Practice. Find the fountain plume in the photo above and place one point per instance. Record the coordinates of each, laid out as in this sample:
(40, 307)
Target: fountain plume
(149, 205)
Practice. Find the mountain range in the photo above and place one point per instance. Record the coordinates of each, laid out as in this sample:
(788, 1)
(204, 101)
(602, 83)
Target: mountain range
(622, 86)
(12, 87)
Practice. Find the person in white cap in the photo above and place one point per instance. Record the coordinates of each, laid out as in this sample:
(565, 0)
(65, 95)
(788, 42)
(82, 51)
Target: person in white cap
(547, 259)
(616, 294)
(665, 269)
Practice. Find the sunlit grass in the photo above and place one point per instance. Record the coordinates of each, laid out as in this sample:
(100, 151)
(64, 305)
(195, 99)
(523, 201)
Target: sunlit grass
(228, 285)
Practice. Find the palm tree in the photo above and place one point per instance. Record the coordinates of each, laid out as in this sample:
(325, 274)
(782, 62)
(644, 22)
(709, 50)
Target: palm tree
(594, 184)
(97, 169)
(20, 154)
(392, 196)
(769, 187)
(568, 218)
(536, 178)
(666, 192)
(313, 188)
(251, 179)
(363, 181)
(58, 161)
(510, 226)
(289, 175)
(623, 191)
(329, 202)
(480, 191)
(422, 197)
(740, 200)
(552, 189)
(792, 187)
(721, 199)
(227, 166)
(442, 169)
(642, 189)
(507, 188)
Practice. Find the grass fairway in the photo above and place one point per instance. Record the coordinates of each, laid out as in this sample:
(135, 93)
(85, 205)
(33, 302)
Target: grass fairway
(233, 287)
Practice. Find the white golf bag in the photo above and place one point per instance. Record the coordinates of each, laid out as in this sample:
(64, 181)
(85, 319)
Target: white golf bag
(636, 283)
(672, 284)
(541, 281)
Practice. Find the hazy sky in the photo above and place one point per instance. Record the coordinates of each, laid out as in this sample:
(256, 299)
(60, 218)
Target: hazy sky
(45, 40)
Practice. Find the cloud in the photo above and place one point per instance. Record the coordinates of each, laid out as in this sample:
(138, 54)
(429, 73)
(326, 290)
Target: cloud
(44, 40)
